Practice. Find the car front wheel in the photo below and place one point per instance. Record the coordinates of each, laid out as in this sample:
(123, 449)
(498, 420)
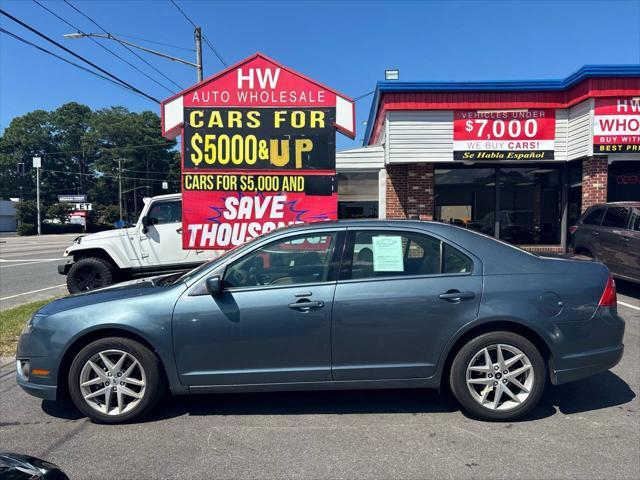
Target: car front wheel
(89, 273)
(498, 376)
(115, 380)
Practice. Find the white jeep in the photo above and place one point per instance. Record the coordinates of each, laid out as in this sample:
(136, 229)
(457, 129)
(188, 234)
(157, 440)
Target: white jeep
(153, 245)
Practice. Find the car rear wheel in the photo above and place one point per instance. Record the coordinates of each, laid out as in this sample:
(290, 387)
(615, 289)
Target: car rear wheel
(498, 376)
(88, 274)
(115, 380)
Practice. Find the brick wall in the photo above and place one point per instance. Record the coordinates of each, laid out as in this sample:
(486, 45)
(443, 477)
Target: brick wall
(594, 181)
(410, 191)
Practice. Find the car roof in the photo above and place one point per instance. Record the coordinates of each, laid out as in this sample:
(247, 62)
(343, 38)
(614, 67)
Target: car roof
(617, 204)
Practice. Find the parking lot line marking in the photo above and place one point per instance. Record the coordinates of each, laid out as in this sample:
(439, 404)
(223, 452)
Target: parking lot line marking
(28, 262)
(628, 305)
(33, 291)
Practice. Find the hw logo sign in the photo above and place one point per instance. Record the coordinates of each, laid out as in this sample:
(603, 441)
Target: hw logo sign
(264, 77)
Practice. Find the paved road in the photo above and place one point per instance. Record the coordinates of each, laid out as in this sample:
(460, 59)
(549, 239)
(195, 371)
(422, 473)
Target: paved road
(588, 429)
(28, 268)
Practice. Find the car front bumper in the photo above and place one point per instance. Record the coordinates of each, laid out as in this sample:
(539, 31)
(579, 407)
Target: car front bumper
(46, 392)
(63, 268)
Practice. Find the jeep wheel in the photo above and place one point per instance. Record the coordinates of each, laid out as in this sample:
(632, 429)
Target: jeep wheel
(88, 274)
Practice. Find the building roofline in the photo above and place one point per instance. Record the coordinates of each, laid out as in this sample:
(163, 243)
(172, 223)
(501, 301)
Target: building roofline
(584, 73)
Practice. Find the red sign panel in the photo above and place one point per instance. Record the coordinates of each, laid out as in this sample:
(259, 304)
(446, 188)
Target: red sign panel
(504, 135)
(616, 127)
(224, 220)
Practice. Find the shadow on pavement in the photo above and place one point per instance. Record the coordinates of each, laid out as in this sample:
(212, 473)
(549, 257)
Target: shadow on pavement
(604, 390)
(629, 289)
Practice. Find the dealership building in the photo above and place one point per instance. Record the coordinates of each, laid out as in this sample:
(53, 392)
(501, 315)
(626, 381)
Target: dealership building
(518, 160)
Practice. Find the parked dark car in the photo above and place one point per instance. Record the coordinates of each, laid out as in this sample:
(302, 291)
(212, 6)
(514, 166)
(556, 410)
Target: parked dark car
(16, 466)
(335, 305)
(610, 233)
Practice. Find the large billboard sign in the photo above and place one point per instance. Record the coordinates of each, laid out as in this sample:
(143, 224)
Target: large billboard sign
(258, 152)
(616, 127)
(504, 135)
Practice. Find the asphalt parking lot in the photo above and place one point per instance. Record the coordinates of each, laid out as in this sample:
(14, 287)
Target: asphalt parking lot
(23, 259)
(588, 429)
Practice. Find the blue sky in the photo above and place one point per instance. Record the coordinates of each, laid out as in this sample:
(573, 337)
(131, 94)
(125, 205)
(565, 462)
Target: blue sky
(346, 45)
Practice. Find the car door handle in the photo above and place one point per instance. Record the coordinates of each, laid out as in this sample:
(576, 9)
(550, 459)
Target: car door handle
(179, 230)
(456, 295)
(302, 305)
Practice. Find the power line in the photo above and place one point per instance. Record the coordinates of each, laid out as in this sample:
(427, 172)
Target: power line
(206, 40)
(125, 46)
(131, 147)
(109, 175)
(17, 37)
(49, 39)
(168, 45)
(360, 97)
(102, 46)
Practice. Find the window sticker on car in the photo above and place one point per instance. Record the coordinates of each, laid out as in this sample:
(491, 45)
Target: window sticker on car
(387, 254)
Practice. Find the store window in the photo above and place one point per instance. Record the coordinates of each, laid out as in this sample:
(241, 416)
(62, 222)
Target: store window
(358, 195)
(624, 181)
(466, 197)
(530, 200)
(524, 202)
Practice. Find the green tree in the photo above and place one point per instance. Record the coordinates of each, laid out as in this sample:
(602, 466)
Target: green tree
(27, 212)
(59, 211)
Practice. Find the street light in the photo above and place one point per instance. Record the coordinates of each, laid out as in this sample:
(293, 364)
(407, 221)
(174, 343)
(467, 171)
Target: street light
(108, 36)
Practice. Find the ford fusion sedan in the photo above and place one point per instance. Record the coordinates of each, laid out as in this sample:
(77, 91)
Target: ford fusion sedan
(340, 305)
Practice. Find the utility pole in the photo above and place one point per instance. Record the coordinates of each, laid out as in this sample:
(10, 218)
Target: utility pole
(120, 187)
(37, 163)
(198, 35)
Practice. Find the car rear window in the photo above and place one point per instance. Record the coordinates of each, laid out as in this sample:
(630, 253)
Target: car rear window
(594, 217)
(615, 217)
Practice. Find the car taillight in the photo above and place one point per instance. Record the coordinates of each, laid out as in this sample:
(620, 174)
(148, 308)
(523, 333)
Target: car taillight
(609, 297)
(572, 229)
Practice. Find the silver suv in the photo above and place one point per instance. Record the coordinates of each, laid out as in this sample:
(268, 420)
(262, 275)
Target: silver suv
(610, 233)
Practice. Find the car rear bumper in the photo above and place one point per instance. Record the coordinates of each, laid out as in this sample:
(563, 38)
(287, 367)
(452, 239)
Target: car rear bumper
(585, 364)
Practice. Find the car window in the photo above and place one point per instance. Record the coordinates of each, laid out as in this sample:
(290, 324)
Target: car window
(166, 212)
(385, 253)
(615, 217)
(454, 261)
(294, 261)
(594, 217)
(634, 219)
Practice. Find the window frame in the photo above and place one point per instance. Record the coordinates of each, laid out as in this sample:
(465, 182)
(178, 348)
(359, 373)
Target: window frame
(349, 244)
(600, 208)
(332, 274)
(626, 218)
(164, 202)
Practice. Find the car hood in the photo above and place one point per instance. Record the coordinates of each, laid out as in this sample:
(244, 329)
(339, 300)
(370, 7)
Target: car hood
(100, 236)
(121, 291)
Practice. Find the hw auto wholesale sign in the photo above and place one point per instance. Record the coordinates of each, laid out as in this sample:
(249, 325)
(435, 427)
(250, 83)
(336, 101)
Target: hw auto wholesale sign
(616, 127)
(504, 135)
(258, 152)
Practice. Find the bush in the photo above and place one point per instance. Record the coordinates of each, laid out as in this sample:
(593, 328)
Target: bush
(27, 212)
(56, 228)
(25, 229)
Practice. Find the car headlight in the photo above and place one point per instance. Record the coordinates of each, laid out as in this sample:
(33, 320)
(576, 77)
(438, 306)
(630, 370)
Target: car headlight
(32, 322)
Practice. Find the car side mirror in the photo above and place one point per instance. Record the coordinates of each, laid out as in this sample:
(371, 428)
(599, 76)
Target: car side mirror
(147, 221)
(214, 285)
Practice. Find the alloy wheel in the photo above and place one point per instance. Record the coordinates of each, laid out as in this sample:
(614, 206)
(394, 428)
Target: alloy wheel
(112, 382)
(500, 377)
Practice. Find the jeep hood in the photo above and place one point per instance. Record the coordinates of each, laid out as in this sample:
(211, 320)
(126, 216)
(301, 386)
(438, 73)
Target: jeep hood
(99, 236)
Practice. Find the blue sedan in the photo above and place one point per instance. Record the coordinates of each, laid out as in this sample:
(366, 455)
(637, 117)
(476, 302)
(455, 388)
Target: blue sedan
(341, 305)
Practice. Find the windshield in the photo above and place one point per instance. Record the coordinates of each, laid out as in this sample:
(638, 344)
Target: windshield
(192, 274)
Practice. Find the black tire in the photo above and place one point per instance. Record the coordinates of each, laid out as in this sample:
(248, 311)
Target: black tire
(153, 392)
(458, 376)
(89, 273)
